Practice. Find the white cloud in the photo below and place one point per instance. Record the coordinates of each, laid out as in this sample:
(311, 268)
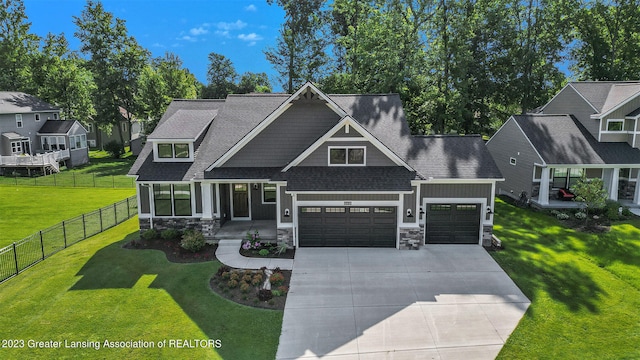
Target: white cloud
(158, 45)
(222, 33)
(198, 31)
(188, 38)
(251, 8)
(239, 24)
(250, 38)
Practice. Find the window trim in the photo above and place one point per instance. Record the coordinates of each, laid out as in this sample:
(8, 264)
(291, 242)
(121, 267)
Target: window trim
(16, 147)
(19, 121)
(347, 148)
(513, 161)
(172, 198)
(172, 158)
(614, 121)
(275, 193)
(37, 117)
(55, 116)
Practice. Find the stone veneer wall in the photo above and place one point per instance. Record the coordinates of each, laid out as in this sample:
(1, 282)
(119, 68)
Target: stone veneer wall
(487, 231)
(208, 227)
(286, 235)
(411, 238)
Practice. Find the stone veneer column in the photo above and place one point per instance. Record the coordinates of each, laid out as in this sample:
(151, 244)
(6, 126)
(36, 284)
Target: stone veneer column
(410, 238)
(487, 231)
(285, 235)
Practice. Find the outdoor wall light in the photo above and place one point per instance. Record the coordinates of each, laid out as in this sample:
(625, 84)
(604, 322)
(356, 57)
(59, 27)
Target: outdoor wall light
(421, 211)
(255, 186)
(286, 213)
(409, 213)
(489, 211)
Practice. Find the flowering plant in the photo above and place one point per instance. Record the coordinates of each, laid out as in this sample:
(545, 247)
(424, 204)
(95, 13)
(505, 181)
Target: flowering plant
(253, 241)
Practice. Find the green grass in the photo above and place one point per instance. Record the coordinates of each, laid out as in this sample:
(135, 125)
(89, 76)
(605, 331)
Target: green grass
(25, 210)
(584, 288)
(97, 291)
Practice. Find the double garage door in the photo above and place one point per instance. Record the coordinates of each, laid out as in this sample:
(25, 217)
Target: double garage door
(356, 226)
(453, 224)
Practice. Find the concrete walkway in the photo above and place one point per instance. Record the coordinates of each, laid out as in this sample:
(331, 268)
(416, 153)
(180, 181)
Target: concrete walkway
(440, 302)
(228, 253)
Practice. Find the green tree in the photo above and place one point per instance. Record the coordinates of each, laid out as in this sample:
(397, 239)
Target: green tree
(17, 46)
(116, 61)
(608, 34)
(591, 192)
(299, 55)
(253, 82)
(221, 76)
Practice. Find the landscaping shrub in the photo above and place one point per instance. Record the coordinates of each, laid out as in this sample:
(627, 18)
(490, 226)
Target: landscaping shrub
(276, 279)
(626, 212)
(257, 280)
(265, 295)
(281, 248)
(580, 216)
(170, 234)
(283, 289)
(114, 149)
(234, 276)
(232, 284)
(223, 269)
(247, 278)
(149, 234)
(276, 293)
(244, 288)
(612, 210)
(562, 216)
(263, 252)
(192, 240)
(226, 275)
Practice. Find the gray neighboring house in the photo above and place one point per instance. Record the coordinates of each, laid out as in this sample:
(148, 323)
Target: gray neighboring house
(588, 128)
(326, 170)
(22, 120)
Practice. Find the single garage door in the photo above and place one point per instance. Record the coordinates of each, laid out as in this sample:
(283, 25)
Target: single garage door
(453, 224)
(355, 226)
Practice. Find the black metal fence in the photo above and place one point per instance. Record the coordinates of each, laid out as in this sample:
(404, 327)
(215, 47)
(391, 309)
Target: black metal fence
(70, 179)
(31, 250)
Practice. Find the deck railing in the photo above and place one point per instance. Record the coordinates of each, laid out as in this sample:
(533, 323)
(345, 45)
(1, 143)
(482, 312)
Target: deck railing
(35, 160)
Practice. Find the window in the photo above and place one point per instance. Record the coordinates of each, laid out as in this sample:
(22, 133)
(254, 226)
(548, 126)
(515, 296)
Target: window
(55, 116)
(18, 120)
(37, 116)
(440, 207)
(624, 173)
(181, 150)
(466, 207)
(512, 161)
(173, 151)
(16, 147)
(347, 155)
(268, 193)
(89, 128)
(359, 210)
(383, 210)
(172, 199)
(334, 210)
(54, 143)
(124, 127)
(565, 178)
(78, 141)
(310, 210)
(165, 151)
(615, 125)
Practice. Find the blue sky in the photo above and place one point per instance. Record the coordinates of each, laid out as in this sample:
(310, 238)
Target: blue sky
(237, 29)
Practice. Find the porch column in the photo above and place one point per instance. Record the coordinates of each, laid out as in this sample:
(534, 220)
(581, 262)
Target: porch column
(610, 178)
(543, 193)
(207, 206)
(636, 195)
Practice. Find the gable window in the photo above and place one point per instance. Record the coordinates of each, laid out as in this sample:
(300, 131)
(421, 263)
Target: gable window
(268, 193)
(615, 125)
(170, 200)
(347, 155)
(18, 120)
(37, 116)
(78, 141)
(181, 150)
(165, 151)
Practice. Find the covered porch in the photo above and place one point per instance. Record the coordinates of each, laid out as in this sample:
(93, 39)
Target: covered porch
(237, 230)
(620, 183)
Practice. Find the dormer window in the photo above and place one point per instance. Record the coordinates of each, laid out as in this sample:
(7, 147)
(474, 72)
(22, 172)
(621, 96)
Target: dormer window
(347, 155)
(173, 152)
(615, 125)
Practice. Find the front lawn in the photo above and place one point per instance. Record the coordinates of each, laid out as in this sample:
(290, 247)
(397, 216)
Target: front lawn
(584, 288)
(97, 291)
(25, 210)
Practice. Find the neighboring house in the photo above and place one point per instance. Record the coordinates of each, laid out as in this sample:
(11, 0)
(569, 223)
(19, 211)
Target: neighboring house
(98, 138)
(588, 129)
(328, 170)
(25, 121)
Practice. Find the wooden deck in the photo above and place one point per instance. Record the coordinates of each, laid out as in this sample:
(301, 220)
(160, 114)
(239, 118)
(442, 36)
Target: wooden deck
(45, 161)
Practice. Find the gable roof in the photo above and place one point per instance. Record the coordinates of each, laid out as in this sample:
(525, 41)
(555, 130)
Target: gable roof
(56, 126)
(14, 102)
(561, 139)
(605, 96)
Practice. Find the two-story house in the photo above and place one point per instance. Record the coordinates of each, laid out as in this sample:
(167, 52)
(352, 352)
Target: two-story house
(325, 170)
(33, 136)
(588, 129)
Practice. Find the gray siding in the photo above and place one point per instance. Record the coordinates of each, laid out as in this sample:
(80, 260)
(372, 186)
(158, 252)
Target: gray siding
(29, 129)
(198, 197)
(510, 142)
(456, 191)
(342, 133)
(289, 135)
(409, 203)
(570, 102)
(77, 156)
(145, 203)
(622, 112)
(260, 211)
(347, 197)
(373, 157)
(286, 202)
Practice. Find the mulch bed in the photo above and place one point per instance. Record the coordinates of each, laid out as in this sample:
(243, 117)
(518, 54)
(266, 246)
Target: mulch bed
(250, 296)
(289, 254)
(174, 252)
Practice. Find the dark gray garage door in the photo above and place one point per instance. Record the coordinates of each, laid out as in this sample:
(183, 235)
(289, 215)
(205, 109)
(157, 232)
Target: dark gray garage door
(453, 224)
(355, 226)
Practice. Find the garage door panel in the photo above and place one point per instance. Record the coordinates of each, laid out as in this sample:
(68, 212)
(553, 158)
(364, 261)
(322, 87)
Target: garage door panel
(347, 226)
(453, 224)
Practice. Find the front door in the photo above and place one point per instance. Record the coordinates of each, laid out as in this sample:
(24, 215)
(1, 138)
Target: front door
(240, 200)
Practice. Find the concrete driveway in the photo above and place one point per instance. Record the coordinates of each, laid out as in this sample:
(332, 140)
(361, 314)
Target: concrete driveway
(440, 302)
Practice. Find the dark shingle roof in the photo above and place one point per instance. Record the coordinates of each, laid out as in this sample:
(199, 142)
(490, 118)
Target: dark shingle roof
(164, 171)
(451, 157)
(561, 139)
(185, 123)
(605, 95)
(250, 173)
(56, 126)
(347, 178)
(13, 102)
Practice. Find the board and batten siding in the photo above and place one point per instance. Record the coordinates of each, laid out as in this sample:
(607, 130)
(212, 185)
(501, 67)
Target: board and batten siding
(342, 133)
(509, 142)
(347, 197)
(456, 191)
(568, 101)
(286, 202)
(373, 156)
(287, 136)
(409, 202)
(260, 211)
